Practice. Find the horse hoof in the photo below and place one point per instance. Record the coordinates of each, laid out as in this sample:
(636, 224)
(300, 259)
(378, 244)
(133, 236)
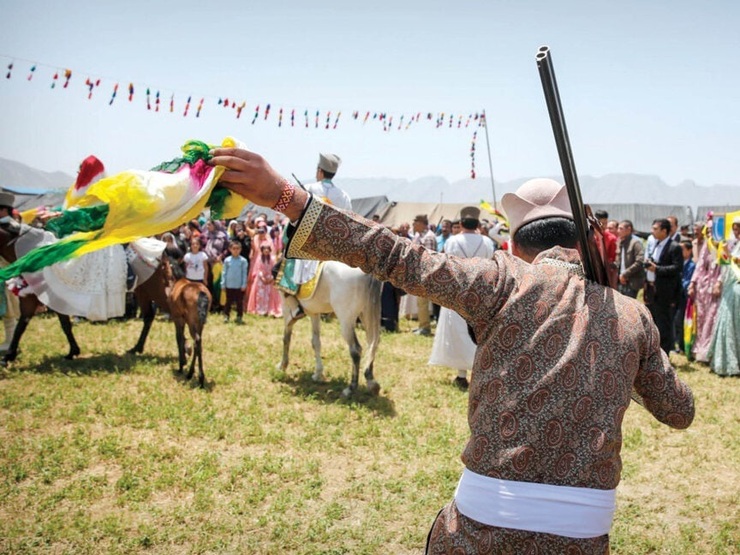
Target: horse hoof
(347, 393)
(373, 387)
(318, 377)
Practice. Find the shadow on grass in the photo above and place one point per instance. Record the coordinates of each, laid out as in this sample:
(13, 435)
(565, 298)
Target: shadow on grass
(683, 364)
(88, 365)
(330, 392)
(181, 377)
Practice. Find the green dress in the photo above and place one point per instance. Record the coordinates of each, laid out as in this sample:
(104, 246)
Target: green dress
(724, 352)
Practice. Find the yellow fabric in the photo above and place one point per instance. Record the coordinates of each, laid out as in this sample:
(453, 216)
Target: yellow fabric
(28, 216)
(147, 203)
(729, 218)
(306, 290)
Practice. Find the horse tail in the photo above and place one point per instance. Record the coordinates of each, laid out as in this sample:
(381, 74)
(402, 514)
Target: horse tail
(372, 312)
(203, 303)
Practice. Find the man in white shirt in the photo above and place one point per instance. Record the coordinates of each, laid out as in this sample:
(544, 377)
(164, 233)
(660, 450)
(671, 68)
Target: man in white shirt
(294, 273)
(453, 346)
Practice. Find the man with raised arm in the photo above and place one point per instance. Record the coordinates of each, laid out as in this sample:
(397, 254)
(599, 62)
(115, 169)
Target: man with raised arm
(557, 360)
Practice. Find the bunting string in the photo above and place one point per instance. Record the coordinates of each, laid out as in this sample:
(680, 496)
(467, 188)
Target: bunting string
(331, 119)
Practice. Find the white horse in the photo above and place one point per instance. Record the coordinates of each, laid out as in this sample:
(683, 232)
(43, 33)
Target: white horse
(350, 294)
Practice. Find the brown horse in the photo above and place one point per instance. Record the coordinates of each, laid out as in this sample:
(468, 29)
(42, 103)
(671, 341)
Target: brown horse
(150, 293)
(189, 303)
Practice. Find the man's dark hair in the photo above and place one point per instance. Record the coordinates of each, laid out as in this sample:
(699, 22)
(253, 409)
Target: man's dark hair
(540, 235)
(601, 215)
(328, 175)
(663, 223)
(687, 244)
(628, 222)
(469, 223)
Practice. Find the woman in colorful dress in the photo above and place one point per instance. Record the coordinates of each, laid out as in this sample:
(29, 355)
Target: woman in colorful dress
(264, 299)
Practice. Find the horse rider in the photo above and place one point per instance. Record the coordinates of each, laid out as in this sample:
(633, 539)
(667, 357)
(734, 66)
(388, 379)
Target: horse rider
(295, 272)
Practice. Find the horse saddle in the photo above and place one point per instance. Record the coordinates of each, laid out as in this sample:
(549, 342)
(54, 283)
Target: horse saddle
(306, 290)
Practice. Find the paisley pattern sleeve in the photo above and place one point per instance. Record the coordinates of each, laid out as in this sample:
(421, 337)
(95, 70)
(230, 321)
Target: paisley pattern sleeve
(325, 233)
(664, 395)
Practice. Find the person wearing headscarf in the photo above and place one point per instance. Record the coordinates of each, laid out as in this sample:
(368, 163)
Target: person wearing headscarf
(724, 350)
(264, 299)
(705, 295)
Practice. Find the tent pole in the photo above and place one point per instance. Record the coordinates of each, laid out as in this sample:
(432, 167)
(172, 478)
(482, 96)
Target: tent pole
(490, 163)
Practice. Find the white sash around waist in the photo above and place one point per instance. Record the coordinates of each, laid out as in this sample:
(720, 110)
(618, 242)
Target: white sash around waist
(562, 510)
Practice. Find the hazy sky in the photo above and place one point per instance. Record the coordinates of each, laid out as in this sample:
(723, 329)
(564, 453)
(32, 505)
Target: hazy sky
(648, 86)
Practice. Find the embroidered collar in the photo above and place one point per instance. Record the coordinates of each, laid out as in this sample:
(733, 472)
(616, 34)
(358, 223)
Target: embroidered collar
(576, 269)
(562, 258)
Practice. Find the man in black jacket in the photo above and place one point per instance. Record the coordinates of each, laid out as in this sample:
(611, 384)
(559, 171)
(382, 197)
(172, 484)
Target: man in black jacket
(663, 286)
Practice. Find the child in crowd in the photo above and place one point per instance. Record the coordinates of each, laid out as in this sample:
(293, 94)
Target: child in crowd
(196, 262)
(264, 299)
(234, 280)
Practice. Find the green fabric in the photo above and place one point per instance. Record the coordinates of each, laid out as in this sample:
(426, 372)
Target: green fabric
(217, 201)
(80, 219)
(286, 282)
(41, 257)
(724, 351)
(192, 152)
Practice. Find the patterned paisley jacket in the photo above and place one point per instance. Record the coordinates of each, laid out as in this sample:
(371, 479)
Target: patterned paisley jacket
(558, 356)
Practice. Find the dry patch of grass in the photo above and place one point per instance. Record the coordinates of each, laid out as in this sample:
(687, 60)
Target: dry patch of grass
(115, 454)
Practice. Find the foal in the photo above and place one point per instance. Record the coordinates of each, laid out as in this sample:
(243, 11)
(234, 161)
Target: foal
(189, 303)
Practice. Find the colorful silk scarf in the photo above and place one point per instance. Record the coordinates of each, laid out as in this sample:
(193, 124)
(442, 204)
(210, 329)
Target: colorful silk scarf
(135, 204)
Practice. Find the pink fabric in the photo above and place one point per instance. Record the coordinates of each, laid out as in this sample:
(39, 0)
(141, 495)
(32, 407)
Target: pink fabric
(706, 274)
(257, 241)
(264, 299)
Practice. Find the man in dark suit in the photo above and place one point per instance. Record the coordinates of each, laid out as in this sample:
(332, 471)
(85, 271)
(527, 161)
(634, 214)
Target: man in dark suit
(663, 286)
(630, 258)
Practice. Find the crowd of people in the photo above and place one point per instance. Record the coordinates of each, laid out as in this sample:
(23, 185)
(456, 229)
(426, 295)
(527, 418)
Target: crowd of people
(688, 281)
(234, 260)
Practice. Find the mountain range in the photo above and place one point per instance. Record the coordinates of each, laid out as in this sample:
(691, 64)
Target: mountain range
(616, 188)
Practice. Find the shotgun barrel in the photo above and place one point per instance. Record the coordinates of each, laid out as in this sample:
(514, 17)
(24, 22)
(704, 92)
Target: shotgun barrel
(588, 227)
(593, 264)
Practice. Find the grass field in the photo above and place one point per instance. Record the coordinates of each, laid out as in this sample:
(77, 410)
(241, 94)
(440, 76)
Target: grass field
(116, 454)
